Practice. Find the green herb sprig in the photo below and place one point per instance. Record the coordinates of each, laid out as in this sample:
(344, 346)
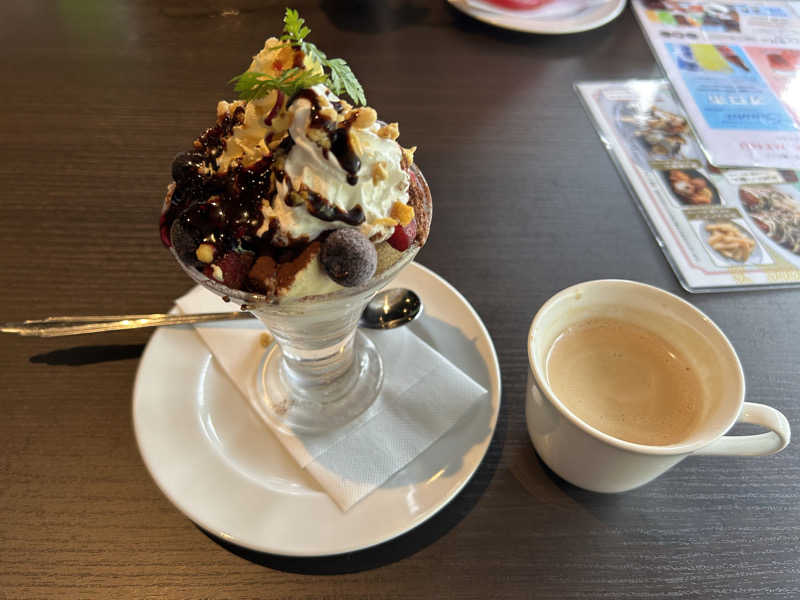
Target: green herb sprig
(251, 85)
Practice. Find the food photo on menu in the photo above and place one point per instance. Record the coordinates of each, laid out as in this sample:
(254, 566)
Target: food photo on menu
(733, 66)
(720, 229)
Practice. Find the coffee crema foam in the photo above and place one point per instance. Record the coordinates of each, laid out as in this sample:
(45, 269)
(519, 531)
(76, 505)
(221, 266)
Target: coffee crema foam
(626, 381)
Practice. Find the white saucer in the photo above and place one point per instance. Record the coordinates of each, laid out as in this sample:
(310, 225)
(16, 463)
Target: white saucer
(213, 457)
(589, 19)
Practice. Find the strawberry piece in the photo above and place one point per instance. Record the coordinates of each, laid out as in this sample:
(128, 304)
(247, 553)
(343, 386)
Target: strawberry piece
(163, 228)
(403, 236)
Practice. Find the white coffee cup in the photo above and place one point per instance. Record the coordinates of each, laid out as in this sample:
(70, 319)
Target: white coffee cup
(594, 460)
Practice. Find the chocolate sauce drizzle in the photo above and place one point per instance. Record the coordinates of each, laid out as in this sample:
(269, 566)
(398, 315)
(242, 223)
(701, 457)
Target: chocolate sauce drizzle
(344, 153)
(221, 209)
(212, 143)
(339, 136)
(224, 209)
(322, 209)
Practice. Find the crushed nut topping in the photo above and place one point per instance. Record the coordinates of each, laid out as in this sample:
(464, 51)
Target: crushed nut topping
(379, 173)
(365, 117)
(329, 113)
(390, 130)
(355, 144)
(205, 253)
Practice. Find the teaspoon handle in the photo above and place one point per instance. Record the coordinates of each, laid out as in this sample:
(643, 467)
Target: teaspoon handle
(59, 326)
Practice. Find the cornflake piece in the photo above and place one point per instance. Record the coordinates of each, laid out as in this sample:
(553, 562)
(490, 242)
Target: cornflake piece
(285, 58)
(403, 213)
(390, 130)
(379, 173)
(227, 108)
(408, 155)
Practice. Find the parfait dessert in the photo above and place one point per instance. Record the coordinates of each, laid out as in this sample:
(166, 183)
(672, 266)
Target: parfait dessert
(294, 191)
(299, 204)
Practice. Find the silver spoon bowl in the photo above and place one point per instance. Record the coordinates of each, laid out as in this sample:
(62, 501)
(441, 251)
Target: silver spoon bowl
(391, 308)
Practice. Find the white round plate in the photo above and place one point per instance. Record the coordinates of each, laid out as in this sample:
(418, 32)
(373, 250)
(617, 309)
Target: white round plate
(215, 459)
(590, 19)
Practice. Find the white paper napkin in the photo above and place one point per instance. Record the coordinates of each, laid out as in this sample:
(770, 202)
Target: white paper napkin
(556, 9)
(423, 396)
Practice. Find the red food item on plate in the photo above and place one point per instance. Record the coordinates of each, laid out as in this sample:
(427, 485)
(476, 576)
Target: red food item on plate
(519, 4)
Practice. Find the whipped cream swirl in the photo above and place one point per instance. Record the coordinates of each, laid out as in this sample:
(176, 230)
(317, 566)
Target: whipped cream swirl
(379, 181)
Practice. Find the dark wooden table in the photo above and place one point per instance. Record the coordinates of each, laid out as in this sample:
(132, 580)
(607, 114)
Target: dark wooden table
(97, 98)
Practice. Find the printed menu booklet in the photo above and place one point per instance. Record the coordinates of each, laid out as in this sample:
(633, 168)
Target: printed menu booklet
(735, 67)
(719, 229)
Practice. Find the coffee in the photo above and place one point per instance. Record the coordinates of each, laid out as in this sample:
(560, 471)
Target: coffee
(626, 381)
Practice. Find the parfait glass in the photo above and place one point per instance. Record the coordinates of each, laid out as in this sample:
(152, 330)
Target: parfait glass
(322, 372)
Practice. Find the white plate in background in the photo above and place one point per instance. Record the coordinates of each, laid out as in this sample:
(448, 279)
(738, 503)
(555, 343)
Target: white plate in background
(591, 18)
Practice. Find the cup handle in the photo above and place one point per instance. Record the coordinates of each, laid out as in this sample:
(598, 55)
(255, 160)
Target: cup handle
(753, 445)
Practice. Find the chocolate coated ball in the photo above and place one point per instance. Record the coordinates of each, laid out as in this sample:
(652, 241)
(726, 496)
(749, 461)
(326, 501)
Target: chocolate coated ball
(349, 257)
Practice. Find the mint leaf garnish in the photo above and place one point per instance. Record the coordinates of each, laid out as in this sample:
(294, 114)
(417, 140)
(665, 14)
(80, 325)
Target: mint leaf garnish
(336, 74)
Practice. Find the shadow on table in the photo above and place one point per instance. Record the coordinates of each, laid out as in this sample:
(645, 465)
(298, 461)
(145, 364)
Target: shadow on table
(88, 355)
(401, 547)
(585, 508)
